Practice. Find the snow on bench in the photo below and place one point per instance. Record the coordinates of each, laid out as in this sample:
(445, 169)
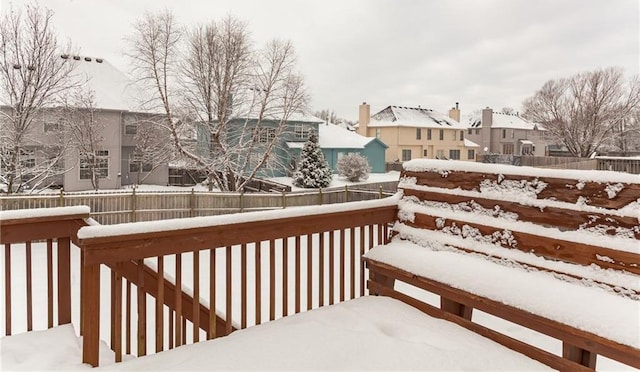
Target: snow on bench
(556, 252)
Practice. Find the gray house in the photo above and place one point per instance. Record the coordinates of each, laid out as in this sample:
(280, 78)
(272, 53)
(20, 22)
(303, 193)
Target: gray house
(507, 134)
(115, 99)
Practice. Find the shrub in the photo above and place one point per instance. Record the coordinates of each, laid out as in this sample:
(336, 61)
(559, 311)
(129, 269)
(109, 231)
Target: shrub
(354, 167)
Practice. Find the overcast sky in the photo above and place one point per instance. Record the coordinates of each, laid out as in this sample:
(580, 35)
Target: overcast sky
(398, 52)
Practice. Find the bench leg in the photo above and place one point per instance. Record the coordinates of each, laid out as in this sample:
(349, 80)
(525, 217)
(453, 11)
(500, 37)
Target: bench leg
(456, 308)
(384, 280)
(578, 355)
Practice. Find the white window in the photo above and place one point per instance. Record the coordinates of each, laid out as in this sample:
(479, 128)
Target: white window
(270, 163)
(100, 160)
(471, 154)
(52, 126)
(130, 125)
(302, 131)
(266, 135)
(138, 163)
(28, 158)
(378, 133)
(454, 154)
(406, 155)
(440, 154)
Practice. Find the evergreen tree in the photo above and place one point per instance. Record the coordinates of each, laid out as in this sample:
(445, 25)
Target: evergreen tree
(313, 170)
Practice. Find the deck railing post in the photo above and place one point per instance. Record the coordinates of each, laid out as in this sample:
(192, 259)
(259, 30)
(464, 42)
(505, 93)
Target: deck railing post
(91, 314)
(64, 281)
(61, 198)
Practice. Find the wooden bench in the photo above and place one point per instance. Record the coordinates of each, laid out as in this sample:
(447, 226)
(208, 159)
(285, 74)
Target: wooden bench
(554, 251)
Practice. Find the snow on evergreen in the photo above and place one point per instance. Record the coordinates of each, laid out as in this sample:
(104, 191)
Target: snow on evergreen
(313, 169)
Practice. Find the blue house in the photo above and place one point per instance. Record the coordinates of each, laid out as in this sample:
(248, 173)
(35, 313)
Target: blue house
(284, 156)
(337, 142)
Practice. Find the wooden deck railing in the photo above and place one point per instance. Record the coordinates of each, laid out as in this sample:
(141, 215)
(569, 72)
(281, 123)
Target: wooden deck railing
(51, 230)
(251, 269)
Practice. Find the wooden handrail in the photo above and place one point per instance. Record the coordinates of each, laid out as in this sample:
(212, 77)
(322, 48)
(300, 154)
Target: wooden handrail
(119, 248)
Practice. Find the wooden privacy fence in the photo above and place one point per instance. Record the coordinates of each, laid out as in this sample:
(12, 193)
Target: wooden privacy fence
(553, 162)
(134, 206)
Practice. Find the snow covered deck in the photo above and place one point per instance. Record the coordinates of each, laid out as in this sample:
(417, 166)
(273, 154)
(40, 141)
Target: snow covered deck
(554, 252)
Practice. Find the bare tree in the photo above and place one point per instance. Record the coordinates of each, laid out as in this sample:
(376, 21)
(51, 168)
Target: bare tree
(582, 110)
(508, 110)
(32, 76)
(152, 148)
(625, 135)
(328, 116)
(236, 98)
(86, 131)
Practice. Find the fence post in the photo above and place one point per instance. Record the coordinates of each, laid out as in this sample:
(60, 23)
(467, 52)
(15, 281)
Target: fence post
(320, 196)
(192, 204)
(133, 205)
(241, 196)
(346, 193)
(380, 192)
(284, 200)
(61, 200)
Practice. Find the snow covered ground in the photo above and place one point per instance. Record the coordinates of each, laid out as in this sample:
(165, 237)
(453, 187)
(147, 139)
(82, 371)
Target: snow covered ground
(362, 334)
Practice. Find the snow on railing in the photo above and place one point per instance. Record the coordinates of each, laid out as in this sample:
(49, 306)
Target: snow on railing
(250, 268)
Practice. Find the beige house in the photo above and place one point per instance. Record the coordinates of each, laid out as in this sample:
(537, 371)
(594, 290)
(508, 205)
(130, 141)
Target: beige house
(412, 133)
(507, 134)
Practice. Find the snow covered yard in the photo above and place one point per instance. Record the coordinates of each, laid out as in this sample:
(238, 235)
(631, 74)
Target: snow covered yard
(386, 334)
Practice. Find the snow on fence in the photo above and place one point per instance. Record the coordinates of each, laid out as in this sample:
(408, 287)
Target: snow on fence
(134, 206)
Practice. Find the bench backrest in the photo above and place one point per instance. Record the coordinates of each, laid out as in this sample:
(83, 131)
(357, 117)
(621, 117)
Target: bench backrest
(575, 218)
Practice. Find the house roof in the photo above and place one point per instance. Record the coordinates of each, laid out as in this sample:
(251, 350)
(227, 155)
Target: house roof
(332, 136)
(401, 116)
(469, 143)
(502, 120)
(111, 87)
(336, 137)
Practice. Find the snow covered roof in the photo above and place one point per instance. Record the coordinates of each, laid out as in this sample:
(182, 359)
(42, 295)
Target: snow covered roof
(469, 143)
(112, 88)
(502, 120)
(401, 116)
(336, 137)
(332, 136)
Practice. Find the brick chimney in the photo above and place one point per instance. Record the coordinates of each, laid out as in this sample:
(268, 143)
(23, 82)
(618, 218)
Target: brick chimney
(364, 118)
(487, 122)
(454, 113)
